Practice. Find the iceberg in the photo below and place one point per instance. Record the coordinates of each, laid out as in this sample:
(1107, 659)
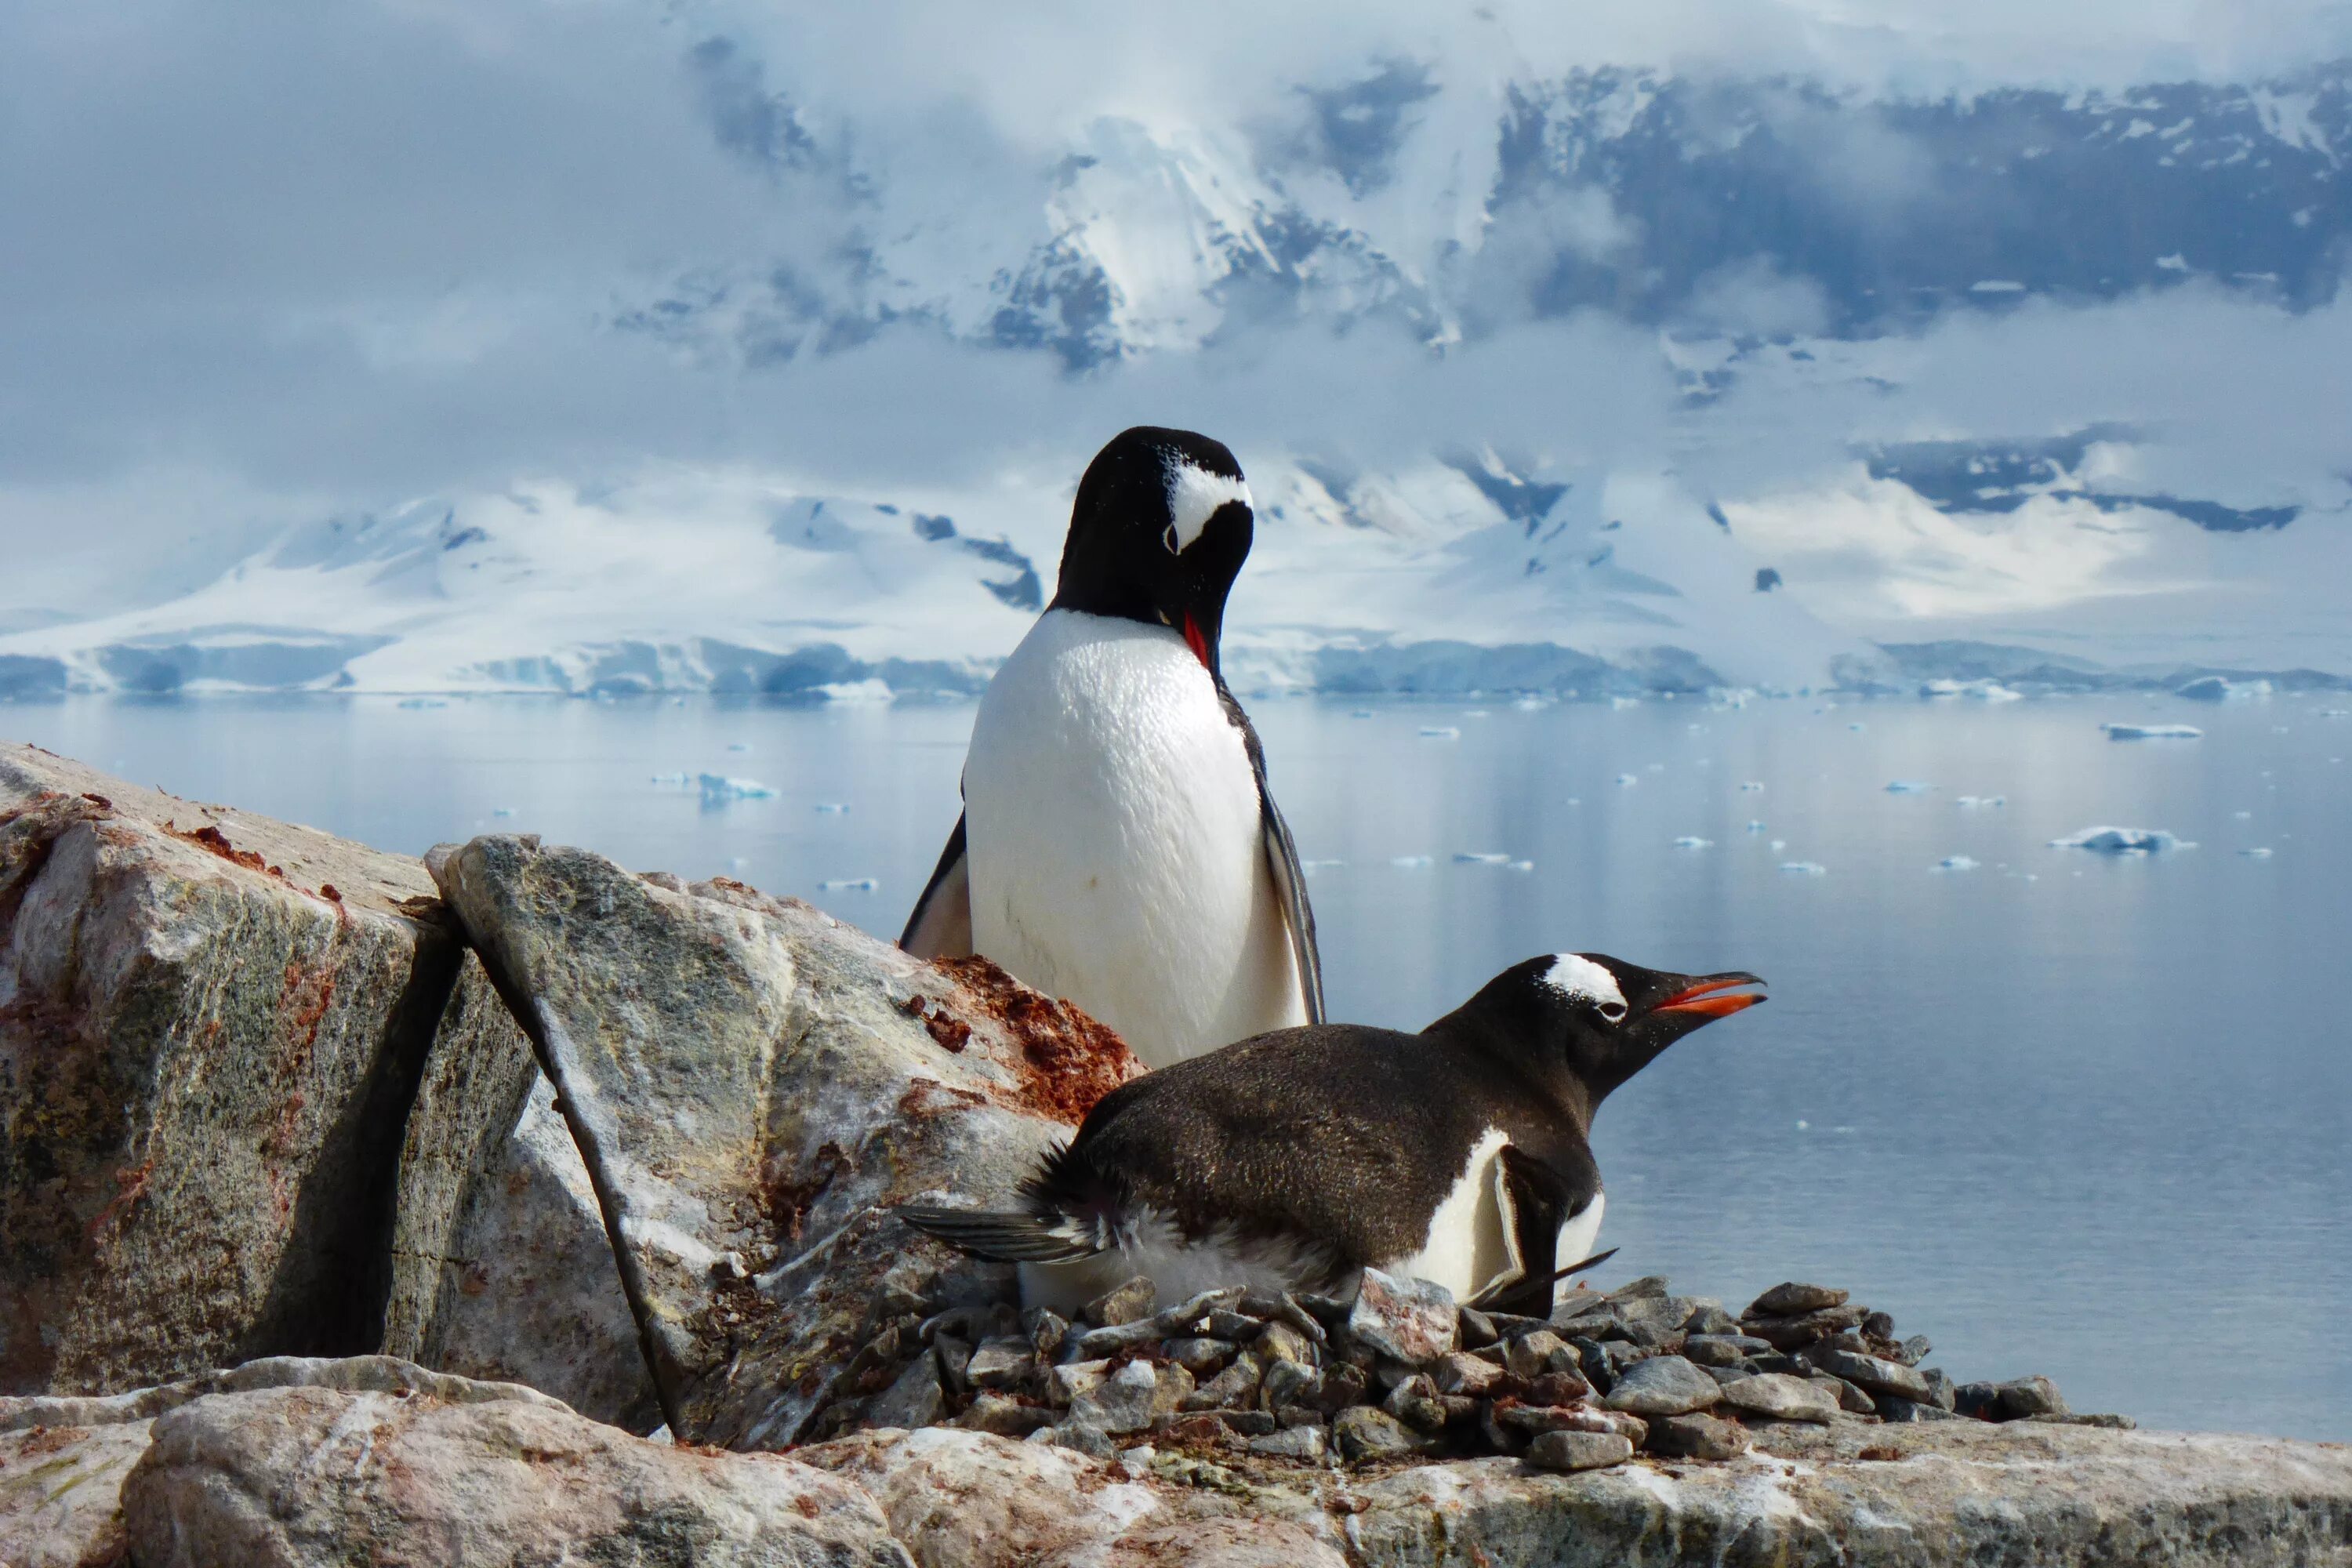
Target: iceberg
(1804, 868)
(1908, 786)
(502, 811)
(850, 885)
(832, 807)
(716, 787)
(1440, 732)
(1479, 857)
(1409, 862)
(2217, 688)
(1752, 786)
(677, 779)
(2256, 852)
(1627, 779)
(1522, 866)
(1981, 691)
(1980, 802)
(1692, 841)
(1955, 863)
(1755, 825)
(2123, 841)
(2153, 731)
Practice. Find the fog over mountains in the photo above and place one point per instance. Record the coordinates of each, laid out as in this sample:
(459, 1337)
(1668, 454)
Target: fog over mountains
(1591, 379)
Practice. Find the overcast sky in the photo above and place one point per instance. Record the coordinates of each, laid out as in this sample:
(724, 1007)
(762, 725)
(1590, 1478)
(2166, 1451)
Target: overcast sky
(262, 261)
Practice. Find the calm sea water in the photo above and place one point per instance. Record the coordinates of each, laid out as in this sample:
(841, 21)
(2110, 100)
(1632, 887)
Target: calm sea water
(2062, 1112)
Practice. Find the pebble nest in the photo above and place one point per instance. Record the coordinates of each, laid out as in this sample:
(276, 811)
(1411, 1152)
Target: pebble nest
(1404, 1372)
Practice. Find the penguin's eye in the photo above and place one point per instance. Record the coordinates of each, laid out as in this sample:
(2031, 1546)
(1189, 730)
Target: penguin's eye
(1168, 539)
(1613, 1011)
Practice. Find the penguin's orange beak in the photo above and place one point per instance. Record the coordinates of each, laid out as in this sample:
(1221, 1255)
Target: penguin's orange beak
(1713, 996)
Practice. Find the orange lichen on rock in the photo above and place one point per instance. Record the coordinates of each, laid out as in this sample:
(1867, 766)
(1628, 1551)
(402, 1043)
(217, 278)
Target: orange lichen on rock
(211, 838)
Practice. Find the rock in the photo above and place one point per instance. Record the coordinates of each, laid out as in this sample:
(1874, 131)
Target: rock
(1895, 1407)
(290, 1478)
(1233, 1388)
(913, 1399)
(1721, 1350)
(1795, 1334)
(1779, 1398)
(1478, 1329)
(1710, 1317)
(1005, 1417)
(61, 1493)
(1288, 1383)
(1129, 1303)
(1557, 1387)
(2025, 1396)
(2088, 1418)
(808, 1063)
(1411, 1321)
(1913, 1351)
(1849, 1398)
(1978, 1401)
(1697, 1437)
(1661, 1386)
(1871, 1375)
(205, 1059)
(1081, 1437)
(1414, 1402)
(1879, 1325)
(1460, 1373)
(1648, 1287)
(1130, 1398)
(1201, 1357)
(1046, 1331)
(1302, 1443)
(1791, 1299)
(1001, 1364)
(1280, 1342)
(1940, 1389)
(1362, 1433)
(1541, 1351)
(1567, 1450)
(1245, 1423)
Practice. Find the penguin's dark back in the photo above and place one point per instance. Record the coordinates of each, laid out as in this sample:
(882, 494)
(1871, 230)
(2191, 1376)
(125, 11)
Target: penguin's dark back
(1348, 1134)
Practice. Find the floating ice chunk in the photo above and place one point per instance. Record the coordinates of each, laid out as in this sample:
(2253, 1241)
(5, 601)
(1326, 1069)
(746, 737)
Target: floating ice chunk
(850, 885)
(2256, 852)
(1522, 866)
(1804, 868)
(2123, 841)
(421, 702)
(832, 807)
(1532, 704)
(1440, 732)
(738, 745)
(1479, 857)
(1752, 786)
(2153, 731)
(1908, 786)
(716, 787)
(1755, 825)
(1980, 691)
(2336, 713)
(1982, 802)
(679, 779)
(2243, 816)
(502, 811)
(2215, 689)
(1624, 702)
(1409, 862)
(1573, 800)
(1778, 845)
(1311, 867)
(1692, 841)
(1955, 863)
(1857, 725)
(1626, 781)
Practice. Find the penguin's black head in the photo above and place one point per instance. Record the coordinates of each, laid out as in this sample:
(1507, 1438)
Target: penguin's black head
(1597, 1018)
(1160, 529)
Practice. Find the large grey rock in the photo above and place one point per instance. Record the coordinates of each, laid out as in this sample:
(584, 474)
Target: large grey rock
(1663, 1385)
(211, 1028)
(293, 1477)
(752, 1087)
(1778, 1396)
(1411, 1321)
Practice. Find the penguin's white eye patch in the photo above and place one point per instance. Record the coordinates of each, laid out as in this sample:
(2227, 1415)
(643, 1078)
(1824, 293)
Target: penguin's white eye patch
(1194, 494)
(1579, 979)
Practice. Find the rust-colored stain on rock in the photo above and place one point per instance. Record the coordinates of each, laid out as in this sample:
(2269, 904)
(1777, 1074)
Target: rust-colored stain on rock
(1068, 1061)
(211, 838)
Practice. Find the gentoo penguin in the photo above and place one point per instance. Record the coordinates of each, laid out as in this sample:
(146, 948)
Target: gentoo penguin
(1292, 1161)
(1118, 846)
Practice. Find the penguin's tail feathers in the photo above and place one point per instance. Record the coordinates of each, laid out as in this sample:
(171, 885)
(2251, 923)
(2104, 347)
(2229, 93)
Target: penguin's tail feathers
(1009, 1237)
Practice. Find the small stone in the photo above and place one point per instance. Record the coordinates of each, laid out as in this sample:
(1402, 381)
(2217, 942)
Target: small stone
(1913, 1351)
(1529, 1419)
(1696, 1438)
(914, 1400)
(1978, 1401)
(1201, 1357)
(1128, 1303)
(1300, 1416)
(1727, 1375)
(1414, 1402)
(1576, 1304)
(1233, 1388)
(1411, 1319)
(953, 1354)
(1460, 1373)
(1556, 1388)
(1848, 1396)
(1721, 1350)
(1132, 1397)
(1873, 1374)
(1004, 1417)
(1605, 1325)
(2112, 1423)
(1789, 1300)
(2025, 1396)
(1779, 1398)
(1593, 1356)
(1280, 1342)
(1082, 1436)
(1648, 1287)
(1046, 1331)
(1879, 1325)
(1533, 1354)
(1000, 1364)
(1661, 1386)
(1303, 1443)
(1068, 1380)
(1710, 1317)
(1895, 1407)
(1794, 1333)
(1246, 1423)
(1292, 1312)
(1342, 1386)
(1224, 1323)
(1940, 1391)
(1653, 1324)
(1200, 1429)
(1328, 1310)
(1477, 1328)
(1567, 1451)
(1288, 1383)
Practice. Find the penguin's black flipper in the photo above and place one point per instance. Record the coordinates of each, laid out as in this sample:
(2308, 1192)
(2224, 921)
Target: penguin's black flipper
(1282, 860)
(1535, 1202)
(1003, 1237)
(941, 926)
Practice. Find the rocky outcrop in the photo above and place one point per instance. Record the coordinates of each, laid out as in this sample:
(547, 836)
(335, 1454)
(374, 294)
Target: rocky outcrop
(752, 1086)
(211, 1024)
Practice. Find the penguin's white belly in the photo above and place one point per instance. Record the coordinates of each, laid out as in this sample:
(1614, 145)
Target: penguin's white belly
(1468, 1246)
(1114, 842)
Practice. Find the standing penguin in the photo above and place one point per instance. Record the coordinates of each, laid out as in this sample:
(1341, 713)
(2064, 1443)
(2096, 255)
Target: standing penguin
(1118, 846)
(1459, 1155)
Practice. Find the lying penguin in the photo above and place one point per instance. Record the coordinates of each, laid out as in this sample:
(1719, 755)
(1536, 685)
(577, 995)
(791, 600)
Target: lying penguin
(1292, 1160)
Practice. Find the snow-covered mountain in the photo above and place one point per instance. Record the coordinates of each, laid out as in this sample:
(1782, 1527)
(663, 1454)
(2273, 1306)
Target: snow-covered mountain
(1895, 403)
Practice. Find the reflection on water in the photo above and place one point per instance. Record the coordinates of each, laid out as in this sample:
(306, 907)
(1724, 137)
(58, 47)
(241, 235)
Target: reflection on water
(2063, 1112)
